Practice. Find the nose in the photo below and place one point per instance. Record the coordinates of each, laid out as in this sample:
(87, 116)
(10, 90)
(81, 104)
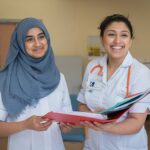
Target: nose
(37, 42)
(117, 39)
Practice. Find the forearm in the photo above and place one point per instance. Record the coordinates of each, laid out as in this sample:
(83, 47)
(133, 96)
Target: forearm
(8, 128)
(84, 108)
(130, 125)
(32, 123)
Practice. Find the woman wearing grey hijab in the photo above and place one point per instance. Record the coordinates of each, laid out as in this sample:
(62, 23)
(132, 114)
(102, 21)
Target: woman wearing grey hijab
(30, 86)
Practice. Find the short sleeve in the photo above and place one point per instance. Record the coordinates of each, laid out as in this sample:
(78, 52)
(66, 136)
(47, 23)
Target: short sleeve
(81, 94)
(141, 83)
(3, 112)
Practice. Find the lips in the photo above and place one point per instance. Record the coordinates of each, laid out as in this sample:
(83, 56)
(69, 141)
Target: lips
(117, 47)
(38, 49)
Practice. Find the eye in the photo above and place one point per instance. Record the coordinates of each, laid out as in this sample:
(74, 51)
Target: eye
(124, 35)
(29, 39)
(111, 34)
(41, 36)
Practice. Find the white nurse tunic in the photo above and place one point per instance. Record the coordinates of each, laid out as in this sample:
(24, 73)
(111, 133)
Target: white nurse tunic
(35, 140)
(97, 92)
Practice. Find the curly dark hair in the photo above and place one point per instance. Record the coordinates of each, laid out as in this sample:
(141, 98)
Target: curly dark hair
(115, 18)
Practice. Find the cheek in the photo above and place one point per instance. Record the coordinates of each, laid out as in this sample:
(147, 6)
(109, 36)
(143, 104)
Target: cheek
(28, 48)
(127, 44)
(107, 40)
(106, 43)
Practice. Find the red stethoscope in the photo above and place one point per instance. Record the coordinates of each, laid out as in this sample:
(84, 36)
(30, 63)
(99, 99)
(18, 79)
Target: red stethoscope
(128, 76)
(97, 67)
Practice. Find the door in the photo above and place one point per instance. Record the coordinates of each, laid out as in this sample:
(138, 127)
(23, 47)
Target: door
(6, 29)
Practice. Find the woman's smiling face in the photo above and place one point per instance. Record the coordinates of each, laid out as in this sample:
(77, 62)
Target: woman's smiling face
(36, 43)
(117, 40)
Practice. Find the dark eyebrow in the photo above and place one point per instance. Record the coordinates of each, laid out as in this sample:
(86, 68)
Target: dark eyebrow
(28, 36)
(41, 33)
(126, 31)
(121, 31)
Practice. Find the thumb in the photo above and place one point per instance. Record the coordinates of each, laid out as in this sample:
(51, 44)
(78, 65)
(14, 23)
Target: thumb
(98, 110)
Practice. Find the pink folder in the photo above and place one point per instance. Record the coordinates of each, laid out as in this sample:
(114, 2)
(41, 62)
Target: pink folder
(76, 119)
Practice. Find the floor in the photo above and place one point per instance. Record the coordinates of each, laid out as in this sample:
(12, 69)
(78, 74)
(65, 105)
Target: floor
(74, 145)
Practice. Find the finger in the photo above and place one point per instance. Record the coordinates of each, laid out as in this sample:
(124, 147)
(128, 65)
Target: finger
(98, 110)
(93, 126)
(65, 126)
(69, 125)
(85, 123)
(97, 124)
(43, 128)
(47, 124)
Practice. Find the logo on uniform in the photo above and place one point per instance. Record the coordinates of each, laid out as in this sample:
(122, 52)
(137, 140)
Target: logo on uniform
(92, 84)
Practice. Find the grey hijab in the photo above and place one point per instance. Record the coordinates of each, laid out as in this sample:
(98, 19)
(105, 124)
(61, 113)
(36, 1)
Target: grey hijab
(25, 80)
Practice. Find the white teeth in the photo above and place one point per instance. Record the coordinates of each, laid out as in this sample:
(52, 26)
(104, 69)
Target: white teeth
(117, 47)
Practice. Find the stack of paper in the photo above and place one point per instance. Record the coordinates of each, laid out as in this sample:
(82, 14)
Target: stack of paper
(75, 117)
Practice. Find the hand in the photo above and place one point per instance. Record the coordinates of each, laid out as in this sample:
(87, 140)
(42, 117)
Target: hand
(98, 110)
(37, 123)
(66, 127)
(99, 126)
